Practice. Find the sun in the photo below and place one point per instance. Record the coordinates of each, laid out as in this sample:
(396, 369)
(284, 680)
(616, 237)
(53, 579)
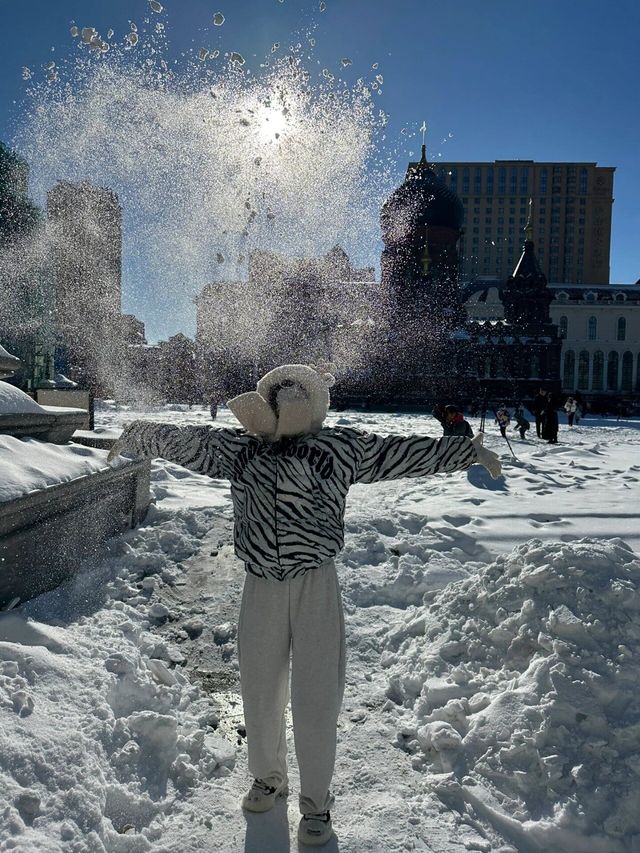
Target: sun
(272, 123)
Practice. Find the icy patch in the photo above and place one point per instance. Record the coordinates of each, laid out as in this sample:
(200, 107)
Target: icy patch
(517, 692)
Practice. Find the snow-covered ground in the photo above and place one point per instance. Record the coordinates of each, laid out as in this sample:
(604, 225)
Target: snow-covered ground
(491, 698)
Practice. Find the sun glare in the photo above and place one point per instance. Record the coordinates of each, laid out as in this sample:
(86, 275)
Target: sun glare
(272, 123)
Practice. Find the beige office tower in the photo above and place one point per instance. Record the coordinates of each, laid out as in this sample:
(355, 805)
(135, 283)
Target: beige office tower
(571, 217)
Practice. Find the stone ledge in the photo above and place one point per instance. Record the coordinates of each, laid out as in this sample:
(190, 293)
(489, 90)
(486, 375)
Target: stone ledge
(47, 535)
(54, 425)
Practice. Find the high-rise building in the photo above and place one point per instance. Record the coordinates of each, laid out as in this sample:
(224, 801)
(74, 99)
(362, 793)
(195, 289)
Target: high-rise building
(85, 229)
(86, 222)
(572, 205)
(25, 292)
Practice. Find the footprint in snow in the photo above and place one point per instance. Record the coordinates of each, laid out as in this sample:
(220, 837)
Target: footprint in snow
(23, 703)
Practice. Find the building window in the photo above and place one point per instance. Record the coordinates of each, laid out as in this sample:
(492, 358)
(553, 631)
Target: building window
(535, 366)
(564, 326)
(621, 330)
(543, 181)
(638, 373)
(627, 371)
(620, 297)
(568, 374)
(583, 181)
(598, 371)
(592, 328)
(583, 370)
(612, 371)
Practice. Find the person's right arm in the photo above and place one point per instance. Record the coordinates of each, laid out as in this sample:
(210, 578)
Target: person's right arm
(202, 449)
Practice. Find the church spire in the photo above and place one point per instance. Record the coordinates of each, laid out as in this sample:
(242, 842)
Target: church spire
(528, 228)
(423, 129)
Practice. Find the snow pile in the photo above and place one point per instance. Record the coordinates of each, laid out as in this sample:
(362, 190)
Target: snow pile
(102, 733)
(13, 401)
(27, 464)
(518, 692)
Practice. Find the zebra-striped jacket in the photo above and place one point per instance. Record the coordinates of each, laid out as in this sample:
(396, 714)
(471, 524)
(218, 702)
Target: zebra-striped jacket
(289, 496)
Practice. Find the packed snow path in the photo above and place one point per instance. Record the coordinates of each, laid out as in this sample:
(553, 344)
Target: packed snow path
(121, 719)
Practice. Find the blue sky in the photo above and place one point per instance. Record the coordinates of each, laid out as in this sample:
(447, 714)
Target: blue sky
(544, 80)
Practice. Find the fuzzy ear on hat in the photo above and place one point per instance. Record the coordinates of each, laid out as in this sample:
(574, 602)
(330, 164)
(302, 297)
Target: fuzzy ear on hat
(254, 413)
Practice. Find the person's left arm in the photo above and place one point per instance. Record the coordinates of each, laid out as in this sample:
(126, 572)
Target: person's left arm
(394, 457)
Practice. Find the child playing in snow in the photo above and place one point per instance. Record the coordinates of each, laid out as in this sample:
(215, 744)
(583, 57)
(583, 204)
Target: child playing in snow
(289, 480)
(503, 420)
(453, 421)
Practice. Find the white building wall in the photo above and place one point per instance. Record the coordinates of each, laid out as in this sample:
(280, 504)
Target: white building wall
(606, 341)
(620, 303)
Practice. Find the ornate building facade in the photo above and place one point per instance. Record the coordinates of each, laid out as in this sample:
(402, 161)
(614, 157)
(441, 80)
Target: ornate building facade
(421, 333)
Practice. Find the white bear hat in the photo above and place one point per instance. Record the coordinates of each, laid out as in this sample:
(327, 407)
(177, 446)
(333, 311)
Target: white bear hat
(289, 400)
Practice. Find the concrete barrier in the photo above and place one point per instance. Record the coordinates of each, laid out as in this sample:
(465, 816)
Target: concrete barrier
(68, 398)
(46, 536)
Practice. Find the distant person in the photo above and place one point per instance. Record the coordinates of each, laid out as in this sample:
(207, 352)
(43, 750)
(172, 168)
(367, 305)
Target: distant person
(537, 407)
(571, 408)
(522, 424)
(454, 423)
(213, 410)
(503, 419)
(550, 421)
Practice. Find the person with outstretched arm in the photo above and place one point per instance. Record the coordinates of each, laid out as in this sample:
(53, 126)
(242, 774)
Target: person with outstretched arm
(289, 479)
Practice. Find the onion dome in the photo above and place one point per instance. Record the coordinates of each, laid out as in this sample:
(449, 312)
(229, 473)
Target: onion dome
(426, 198)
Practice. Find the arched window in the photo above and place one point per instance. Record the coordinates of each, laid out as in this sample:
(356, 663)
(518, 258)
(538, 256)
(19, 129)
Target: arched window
(612, 371)
(598, 371)
(564, 325)
(592, 328)
(568, 376)
(583, 370)
(622, 329)
(627, 372)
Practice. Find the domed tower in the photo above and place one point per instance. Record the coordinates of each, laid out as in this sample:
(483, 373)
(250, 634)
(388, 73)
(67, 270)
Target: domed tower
(421, 224)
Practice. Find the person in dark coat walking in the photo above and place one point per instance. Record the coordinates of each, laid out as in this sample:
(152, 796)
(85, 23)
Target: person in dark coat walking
(537, 407)
(522, 424)
(550, 421)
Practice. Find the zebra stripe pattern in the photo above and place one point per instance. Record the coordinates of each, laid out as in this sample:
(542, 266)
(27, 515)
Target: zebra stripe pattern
(289, 496)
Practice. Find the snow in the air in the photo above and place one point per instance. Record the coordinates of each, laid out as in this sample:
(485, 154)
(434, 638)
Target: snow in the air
(493, 634)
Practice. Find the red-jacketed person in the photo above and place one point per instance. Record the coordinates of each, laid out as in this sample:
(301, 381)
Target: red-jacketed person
(289, 478)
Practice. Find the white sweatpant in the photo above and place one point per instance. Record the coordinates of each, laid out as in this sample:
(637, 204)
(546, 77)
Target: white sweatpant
(302, 619)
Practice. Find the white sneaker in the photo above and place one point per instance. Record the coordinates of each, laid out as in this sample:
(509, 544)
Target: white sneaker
(262, 796)
(315, 829)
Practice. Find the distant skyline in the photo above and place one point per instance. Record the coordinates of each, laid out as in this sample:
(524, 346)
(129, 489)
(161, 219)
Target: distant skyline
(543, 81)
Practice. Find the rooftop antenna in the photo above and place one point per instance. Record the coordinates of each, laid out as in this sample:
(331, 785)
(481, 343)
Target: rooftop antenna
(423, 130)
